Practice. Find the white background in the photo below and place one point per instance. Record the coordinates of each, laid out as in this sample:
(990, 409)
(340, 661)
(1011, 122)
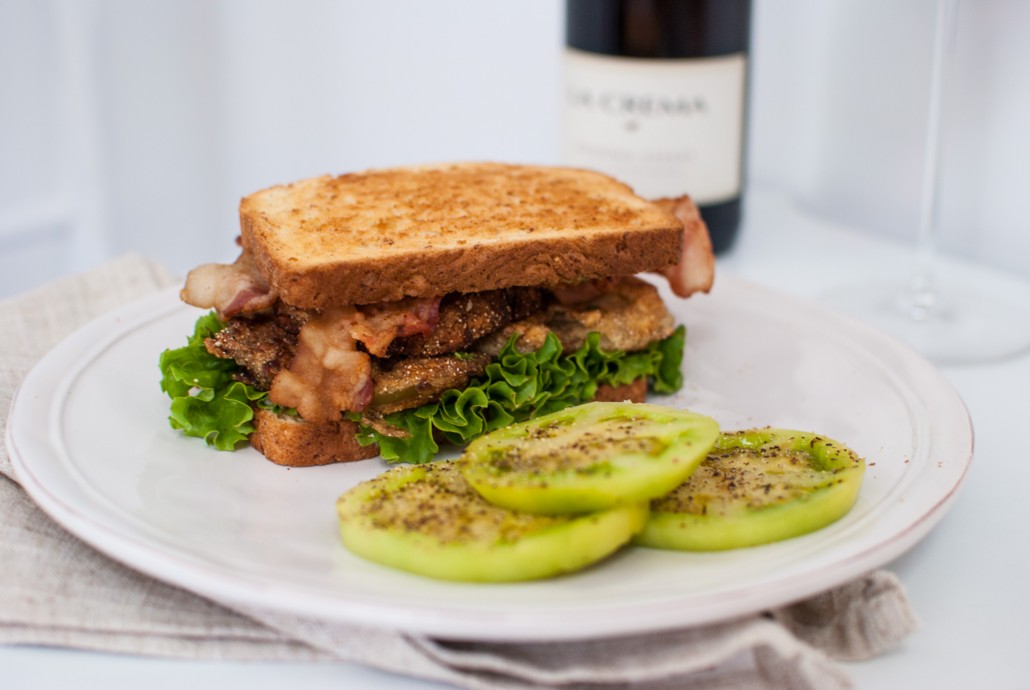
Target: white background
(137, 126)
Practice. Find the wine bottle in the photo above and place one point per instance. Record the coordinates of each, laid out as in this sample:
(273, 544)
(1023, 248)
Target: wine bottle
(656, 95)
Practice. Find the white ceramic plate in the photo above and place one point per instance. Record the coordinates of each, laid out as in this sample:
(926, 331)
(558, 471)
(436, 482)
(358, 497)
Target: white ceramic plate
(91, 445)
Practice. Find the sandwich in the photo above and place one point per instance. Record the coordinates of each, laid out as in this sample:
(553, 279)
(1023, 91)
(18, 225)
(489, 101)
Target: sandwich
(390, 311)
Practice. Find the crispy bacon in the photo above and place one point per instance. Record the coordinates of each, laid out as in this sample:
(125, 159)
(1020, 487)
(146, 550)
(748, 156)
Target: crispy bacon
(695, 271)
(231, 289)
(328, 374)
(378, 325)
(570, 294)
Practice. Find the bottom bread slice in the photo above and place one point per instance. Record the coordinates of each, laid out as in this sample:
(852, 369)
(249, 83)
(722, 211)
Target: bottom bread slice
(290, 441)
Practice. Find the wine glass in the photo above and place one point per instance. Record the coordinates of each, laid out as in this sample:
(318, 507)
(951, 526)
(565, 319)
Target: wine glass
(953, 322)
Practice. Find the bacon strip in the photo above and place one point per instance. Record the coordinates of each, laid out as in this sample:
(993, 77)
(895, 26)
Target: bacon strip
(378, 325)
(230, 289)
(328, 374)
(569, 294)
(695, 271)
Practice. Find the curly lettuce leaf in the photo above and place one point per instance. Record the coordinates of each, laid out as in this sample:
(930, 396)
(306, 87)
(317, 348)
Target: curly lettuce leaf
(518, 386)
(206, 401)
(224, 420)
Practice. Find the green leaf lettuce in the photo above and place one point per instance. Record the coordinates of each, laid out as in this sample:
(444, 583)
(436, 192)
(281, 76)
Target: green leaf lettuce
(207, 402)
(518, 386)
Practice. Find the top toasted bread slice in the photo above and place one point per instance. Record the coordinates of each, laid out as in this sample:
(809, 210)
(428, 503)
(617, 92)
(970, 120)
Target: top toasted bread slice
(386, 234)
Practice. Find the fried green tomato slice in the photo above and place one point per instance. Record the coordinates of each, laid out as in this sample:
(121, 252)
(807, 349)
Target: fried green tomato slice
(756, 487)
(588, 458)
(426, 519)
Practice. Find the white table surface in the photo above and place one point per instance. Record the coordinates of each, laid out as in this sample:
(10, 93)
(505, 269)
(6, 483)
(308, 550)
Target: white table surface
(969, 580)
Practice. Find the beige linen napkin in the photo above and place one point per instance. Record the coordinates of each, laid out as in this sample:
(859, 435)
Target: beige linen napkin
(55, 590)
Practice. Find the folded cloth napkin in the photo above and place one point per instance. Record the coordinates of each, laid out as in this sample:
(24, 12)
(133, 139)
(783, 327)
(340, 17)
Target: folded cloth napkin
(56, 590)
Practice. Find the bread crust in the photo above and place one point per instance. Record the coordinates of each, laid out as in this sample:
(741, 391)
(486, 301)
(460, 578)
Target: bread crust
(383, 235)
(292, 442)
(630, 392)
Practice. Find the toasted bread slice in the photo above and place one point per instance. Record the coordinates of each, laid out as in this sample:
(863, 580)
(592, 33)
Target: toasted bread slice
(382, 235)
(630, 392)
(290, 441)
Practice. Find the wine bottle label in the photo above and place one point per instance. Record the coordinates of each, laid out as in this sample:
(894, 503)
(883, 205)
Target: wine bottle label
(666, 127)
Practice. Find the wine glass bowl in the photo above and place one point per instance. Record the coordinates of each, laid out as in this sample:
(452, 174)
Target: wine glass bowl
(954, 321)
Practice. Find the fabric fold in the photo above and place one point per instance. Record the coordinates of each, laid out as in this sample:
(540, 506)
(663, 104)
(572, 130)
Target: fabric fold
(859, 620)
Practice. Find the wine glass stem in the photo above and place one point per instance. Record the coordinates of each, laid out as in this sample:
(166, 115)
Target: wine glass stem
(921, 299)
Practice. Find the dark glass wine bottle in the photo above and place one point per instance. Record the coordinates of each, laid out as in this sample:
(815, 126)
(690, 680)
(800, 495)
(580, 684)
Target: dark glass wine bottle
(656, 95)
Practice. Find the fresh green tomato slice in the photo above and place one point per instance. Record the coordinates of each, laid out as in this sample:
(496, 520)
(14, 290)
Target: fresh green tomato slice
(756, 487)
(426, 519)
(589, 457)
